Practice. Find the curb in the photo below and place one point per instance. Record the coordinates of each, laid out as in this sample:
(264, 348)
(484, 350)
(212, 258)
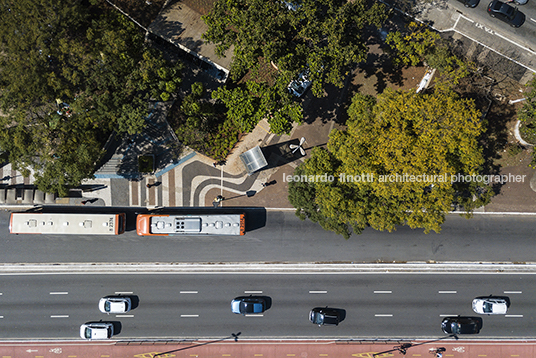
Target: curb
(268, 268)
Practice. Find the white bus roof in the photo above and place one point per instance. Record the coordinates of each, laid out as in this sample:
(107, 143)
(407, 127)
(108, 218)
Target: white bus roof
(221, 224)
(54, 223)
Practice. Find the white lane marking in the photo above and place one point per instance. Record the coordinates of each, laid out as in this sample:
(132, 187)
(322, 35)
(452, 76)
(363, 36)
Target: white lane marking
(1, 316)
(188, 292)
(189, 315)
(259, 292)
(124, 293)
(447, 315)
(59, 293)
(383, 291)
(254, 315)
(124, 315)
(513, 291)
(447, 291)
(1, 293)
(513, 315)
(318, 291)
(59, 316)
(533, 19)
(383, 315)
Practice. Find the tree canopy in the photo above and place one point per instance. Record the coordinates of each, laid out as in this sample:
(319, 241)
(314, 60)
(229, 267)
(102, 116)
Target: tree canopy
(71, 72)
(324, 36)
(395, 164)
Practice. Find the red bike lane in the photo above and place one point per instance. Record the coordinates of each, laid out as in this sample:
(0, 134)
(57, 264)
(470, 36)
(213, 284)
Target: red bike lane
(269, 348)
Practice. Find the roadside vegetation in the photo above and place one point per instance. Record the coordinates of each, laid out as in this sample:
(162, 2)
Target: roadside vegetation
(527, 116)
(72, 73)
(436, 133)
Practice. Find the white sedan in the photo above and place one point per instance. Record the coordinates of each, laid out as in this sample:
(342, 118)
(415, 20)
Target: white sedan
(490, 305)
(115, 304)
(97, 330)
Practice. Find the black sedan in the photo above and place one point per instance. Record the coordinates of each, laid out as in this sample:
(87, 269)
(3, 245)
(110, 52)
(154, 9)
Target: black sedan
(461, 325)
(502, 11)
(325, 316)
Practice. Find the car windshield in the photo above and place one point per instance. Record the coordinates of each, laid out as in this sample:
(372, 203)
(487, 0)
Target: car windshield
(87, 333)
(317, 318)
(487, 307)
(107, 306)
(510, 12)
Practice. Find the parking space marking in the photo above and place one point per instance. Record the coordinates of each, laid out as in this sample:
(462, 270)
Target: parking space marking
(447, 291)
(383, 291)
(318, 291)
(383, 315)
(59, 293)
(189, 292)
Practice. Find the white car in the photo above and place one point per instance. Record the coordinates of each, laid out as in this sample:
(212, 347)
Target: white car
(115, 304)
(490, 305)
(299, 86)
(97, 330)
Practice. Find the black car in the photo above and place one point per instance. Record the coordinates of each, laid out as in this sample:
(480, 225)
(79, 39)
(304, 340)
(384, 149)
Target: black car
(502, 11)
(470, 3)
(461, 325)
(325, 316)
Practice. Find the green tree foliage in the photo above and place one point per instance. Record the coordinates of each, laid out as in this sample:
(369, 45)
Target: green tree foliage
(527, 115)
(324, 35)
(248, 104)
(71, 72)
(400, 133)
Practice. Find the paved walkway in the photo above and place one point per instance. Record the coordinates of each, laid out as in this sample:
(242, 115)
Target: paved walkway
(269, 348)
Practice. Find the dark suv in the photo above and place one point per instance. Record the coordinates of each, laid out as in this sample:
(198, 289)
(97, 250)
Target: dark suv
(325, 316)
(461, 325)
(511, 15)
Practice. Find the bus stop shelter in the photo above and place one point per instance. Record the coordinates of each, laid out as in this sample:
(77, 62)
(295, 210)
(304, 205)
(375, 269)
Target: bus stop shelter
(253, 160)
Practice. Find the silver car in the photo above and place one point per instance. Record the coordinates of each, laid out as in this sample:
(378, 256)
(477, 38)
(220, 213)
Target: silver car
(490, 305)
(97, 330)
(115, 304)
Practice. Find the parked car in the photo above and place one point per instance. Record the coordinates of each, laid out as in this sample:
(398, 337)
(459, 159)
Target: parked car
(461, 325)
(97, 330)
(323, 316)
(504, 12)
(490, 305)
(115, 304)
(520, 2)
(300, 85)
(470, 3)
(248, 305)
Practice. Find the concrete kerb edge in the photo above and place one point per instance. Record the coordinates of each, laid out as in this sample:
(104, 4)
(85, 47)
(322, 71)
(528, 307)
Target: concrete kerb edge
(421, 267)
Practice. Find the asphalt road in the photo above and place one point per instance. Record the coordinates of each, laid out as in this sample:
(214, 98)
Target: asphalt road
(198, 306)
(282, 237)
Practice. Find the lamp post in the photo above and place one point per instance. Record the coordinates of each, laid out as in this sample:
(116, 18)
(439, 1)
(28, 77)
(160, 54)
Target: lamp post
(405, 346)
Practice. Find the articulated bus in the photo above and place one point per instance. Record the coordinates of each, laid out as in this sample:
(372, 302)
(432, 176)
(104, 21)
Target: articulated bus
(73, 223)
(206, 224)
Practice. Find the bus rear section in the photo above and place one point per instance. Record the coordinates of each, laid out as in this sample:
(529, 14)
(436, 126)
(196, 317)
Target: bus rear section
(67, 223)
(209, 224)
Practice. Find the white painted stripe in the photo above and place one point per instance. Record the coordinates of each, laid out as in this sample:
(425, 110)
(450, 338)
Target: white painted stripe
(318, 291)
(1, 317)
(1, 293)
(258, 292)
(513, 291)
(533, 19)
(189, 315)
(59, 293)
(124, 293)
(447, 315)
(189, 292)
(59, 316)
(254, 315)
(514, 315)
(383, 291)
(447, 291)
(383, 315)
(124, 315)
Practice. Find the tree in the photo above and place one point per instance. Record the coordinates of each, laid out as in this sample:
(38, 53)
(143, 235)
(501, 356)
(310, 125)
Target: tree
(71, 73)
(395, 164)
(325, 36)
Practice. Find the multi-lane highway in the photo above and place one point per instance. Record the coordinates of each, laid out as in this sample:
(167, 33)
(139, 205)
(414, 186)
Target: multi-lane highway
(198, 305)
(281, 236)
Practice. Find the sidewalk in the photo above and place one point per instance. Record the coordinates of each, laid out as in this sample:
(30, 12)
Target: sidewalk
(270, 348)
